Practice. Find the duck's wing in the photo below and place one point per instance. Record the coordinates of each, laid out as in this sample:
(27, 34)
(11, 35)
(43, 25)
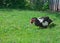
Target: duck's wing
(40, 20)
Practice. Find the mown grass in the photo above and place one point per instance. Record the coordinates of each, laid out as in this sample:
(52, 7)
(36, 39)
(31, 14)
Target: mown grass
(15, 27)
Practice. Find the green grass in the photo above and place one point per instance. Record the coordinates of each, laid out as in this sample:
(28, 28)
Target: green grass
(15, 27)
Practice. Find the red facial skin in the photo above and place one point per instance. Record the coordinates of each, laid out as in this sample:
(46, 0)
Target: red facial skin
(32, 21)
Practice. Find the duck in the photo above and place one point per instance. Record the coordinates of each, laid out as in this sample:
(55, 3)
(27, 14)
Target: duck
(41, 21)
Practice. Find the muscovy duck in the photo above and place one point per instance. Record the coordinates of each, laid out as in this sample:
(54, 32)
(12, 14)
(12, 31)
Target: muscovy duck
(41, 22)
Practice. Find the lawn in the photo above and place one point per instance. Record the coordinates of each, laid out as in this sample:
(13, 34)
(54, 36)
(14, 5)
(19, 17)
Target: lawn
(15, 27)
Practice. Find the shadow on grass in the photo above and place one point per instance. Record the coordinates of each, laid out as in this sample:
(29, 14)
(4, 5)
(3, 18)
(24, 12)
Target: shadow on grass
(52, 25)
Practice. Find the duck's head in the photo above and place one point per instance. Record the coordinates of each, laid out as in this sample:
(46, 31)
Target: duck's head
(33, 20)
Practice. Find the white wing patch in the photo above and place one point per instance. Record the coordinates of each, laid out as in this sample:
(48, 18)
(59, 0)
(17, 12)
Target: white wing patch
(45, 23)
(41, 20)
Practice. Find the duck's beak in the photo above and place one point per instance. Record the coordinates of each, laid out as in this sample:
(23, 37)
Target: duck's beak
(31, 22)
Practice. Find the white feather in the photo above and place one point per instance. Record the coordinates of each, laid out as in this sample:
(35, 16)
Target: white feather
(45, 23)
(40, 20)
